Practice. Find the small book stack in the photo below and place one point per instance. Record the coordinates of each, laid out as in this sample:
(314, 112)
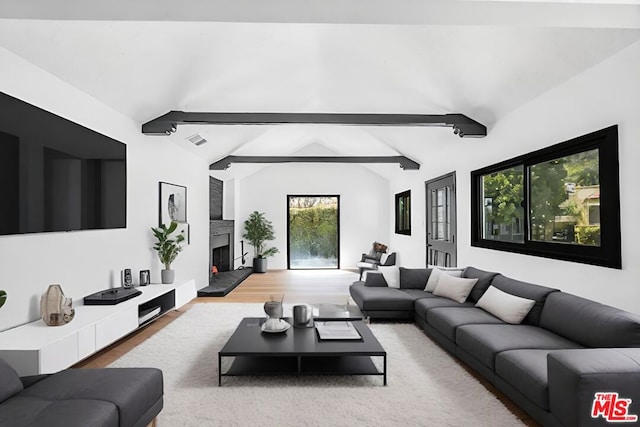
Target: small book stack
(337, 330)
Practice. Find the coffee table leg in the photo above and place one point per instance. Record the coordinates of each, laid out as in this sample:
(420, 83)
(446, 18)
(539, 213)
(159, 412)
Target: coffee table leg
(385, 369)
(219, 370)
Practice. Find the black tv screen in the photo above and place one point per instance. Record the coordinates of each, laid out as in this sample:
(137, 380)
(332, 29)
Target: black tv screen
(57, 175)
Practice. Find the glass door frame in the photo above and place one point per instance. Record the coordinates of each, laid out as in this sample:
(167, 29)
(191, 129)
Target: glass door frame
(337, 197)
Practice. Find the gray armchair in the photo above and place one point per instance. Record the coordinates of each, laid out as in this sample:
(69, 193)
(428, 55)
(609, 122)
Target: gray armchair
(372, 260)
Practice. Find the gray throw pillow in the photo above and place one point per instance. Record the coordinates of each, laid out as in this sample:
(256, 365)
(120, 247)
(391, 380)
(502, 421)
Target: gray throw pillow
(484, 281)
(375, 279)
(414, 278)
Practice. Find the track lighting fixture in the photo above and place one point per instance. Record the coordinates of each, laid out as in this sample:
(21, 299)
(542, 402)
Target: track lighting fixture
(462, 125)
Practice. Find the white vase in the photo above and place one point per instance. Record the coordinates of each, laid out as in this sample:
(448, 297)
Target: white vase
(168, 276)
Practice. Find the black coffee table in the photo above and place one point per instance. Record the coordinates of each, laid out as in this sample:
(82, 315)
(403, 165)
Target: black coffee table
(299, 351)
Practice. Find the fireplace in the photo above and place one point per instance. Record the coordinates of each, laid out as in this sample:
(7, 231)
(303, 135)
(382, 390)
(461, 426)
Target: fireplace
(221, 252)
(221, 245)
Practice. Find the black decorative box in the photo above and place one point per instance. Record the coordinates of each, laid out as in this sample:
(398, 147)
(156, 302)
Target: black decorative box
(111, 296)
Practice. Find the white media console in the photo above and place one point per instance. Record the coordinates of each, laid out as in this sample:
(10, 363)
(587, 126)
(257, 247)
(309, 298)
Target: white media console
(35, 348)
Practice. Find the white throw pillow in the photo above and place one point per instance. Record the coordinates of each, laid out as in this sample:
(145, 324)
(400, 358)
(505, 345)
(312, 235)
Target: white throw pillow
(455, 288)
(391, 274)
(506, 307)
(432, 282)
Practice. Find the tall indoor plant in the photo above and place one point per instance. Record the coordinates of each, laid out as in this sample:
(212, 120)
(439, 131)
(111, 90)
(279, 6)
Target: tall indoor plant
(168, 248)
(258, 231)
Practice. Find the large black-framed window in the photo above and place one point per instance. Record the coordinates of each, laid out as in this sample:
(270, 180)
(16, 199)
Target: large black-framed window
(313, 233)
(403, 213)
(559, 202)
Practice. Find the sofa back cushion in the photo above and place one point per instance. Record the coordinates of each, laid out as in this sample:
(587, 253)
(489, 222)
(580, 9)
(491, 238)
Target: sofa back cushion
(414, 278)
(525, 290)
(10, 383)
(484, 281)
(590, 323)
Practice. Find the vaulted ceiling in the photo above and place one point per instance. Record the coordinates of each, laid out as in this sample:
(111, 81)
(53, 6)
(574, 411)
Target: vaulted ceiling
(480, 58)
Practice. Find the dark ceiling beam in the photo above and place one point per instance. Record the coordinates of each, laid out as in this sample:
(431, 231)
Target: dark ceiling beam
(462, 125)
(224, 163)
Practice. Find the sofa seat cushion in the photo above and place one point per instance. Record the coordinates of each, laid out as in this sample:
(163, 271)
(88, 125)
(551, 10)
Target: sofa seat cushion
(21, 411)
(417, 293)
(132, 390)
(484, 342)
(526, 371)
(432, 301)
(381, 299)
(447, 320)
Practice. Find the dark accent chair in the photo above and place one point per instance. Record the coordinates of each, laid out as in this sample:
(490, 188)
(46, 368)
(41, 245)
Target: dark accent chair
(369, 262)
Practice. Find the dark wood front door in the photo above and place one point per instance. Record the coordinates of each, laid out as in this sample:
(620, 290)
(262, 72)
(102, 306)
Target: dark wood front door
(441, 221)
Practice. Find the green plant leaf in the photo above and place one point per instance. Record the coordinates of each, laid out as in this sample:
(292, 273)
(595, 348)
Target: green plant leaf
(167, 246)
(3, 298)
(259, 230)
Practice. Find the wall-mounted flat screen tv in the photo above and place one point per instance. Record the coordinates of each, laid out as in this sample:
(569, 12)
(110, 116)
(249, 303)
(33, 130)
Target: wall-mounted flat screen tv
(57, 175)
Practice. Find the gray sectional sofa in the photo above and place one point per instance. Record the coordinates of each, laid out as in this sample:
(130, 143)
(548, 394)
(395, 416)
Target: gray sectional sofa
(552, 364)
(111, 397)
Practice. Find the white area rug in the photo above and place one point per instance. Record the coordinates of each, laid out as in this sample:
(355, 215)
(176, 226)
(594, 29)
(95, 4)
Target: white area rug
(426, 387)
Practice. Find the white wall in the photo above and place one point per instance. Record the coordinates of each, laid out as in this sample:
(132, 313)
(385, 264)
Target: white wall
(84, 262)
(364, 205)
(608, 93)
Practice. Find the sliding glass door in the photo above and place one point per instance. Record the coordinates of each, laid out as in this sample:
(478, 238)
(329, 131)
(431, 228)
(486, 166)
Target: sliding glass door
(313, 232)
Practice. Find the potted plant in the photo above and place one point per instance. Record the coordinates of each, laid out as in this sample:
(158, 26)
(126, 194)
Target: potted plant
(168, 248)
(258, 231)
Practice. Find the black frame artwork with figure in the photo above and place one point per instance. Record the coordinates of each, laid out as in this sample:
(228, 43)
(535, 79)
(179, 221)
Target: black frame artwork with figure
(173, 203)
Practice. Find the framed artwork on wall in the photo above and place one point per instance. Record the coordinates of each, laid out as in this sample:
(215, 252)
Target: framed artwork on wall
(403, 213)
(173, 203)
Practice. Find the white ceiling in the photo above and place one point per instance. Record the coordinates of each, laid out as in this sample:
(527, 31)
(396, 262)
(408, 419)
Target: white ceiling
(480, 58)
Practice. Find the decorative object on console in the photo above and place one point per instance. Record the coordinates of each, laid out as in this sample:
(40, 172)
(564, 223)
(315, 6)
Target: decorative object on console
(258, 231)
(3, 298)
(126, 278)
(173, 203)
(168, 248)
(55, 308)
(145, 277)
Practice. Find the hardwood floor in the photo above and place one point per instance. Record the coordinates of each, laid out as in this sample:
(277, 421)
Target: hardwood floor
(295, 286)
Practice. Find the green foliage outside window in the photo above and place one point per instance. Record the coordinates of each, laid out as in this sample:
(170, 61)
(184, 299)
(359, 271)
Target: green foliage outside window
(587, 235)
(503, 194)
(313, 228)
(556, 210)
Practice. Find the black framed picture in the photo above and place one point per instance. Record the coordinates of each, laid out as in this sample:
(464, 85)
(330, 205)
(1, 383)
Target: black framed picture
(173, 203)
(403, 212)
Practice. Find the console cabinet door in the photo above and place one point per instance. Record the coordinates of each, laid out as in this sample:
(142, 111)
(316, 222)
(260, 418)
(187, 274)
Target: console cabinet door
(116, 326)
(185, 293)
(59, 355)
